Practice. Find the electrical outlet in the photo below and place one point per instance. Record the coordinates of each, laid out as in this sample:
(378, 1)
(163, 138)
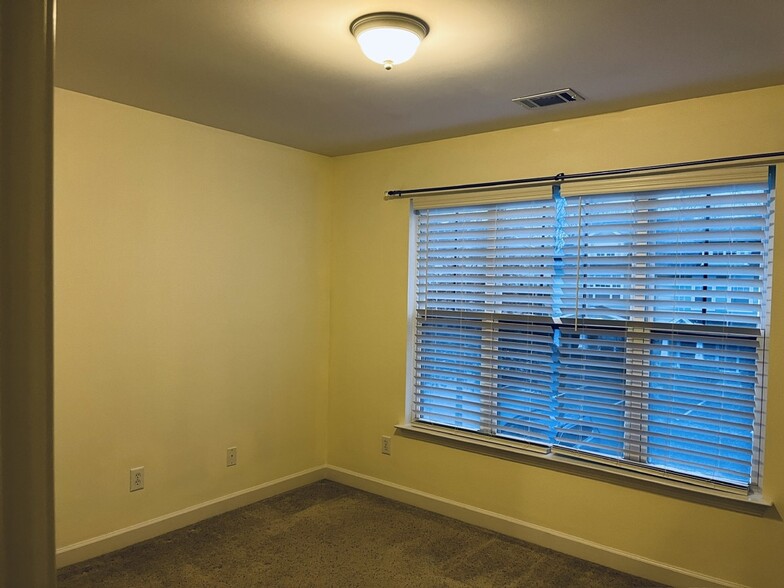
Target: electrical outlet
(137, 479)
(386, 445)
(231, 456)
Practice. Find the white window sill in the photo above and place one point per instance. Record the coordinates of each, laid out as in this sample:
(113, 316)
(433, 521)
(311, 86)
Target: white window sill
(753, 503)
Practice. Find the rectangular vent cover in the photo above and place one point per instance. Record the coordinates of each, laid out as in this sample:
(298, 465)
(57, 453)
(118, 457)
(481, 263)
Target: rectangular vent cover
(549, 98)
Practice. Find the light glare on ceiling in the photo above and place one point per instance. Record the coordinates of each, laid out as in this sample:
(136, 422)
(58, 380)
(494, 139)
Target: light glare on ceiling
(389, 38)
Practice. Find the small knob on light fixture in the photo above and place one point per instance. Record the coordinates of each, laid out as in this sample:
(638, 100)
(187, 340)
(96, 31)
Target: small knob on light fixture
(389, 38)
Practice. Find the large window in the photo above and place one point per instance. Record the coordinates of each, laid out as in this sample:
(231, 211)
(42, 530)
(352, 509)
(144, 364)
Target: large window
(624, 327)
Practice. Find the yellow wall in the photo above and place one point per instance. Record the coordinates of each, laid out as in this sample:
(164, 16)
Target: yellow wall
(215, 290)
(191, 313)
(369, 324)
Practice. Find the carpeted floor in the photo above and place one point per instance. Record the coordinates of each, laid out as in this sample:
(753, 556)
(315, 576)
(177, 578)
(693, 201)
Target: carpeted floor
(327, 534)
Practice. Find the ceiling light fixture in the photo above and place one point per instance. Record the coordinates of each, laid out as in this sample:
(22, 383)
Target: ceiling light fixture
(389, 38)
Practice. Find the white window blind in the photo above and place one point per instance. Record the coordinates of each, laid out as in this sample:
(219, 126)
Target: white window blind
(627, 328)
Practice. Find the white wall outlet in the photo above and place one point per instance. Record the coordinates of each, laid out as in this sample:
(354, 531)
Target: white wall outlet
(231, 456)
(137, 479)
(386, 445)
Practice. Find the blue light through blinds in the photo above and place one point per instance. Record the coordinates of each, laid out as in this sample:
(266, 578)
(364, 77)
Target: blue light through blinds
(627, 328)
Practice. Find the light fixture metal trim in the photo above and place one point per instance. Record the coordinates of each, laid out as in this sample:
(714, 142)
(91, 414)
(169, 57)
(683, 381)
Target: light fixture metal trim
(390, 19)
(413, 28)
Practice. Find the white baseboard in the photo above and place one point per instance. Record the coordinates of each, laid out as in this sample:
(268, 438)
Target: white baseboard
(568, 544)
(96, 546)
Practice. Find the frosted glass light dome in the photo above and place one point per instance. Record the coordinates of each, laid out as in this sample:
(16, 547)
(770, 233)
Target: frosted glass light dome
(389, 38)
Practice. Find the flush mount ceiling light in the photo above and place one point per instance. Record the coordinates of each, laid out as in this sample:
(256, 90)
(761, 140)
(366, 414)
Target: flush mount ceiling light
(389, 38)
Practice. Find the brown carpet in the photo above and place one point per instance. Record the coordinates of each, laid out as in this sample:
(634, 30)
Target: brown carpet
(326, 534)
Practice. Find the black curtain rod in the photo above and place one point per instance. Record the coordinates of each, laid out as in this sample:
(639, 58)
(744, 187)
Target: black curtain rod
(562, 177)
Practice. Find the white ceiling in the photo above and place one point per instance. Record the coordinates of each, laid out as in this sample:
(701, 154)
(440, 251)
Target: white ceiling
(289, 71)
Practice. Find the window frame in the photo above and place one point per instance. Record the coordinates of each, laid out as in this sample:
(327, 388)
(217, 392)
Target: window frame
(509, 449)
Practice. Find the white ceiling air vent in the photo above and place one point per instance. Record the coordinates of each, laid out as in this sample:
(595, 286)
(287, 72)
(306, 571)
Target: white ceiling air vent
(549, 98)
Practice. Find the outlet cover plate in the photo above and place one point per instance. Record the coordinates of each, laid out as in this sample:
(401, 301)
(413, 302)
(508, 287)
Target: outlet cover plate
(137, 479)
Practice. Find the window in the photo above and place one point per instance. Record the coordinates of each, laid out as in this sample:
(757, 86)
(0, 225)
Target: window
(626, 327)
